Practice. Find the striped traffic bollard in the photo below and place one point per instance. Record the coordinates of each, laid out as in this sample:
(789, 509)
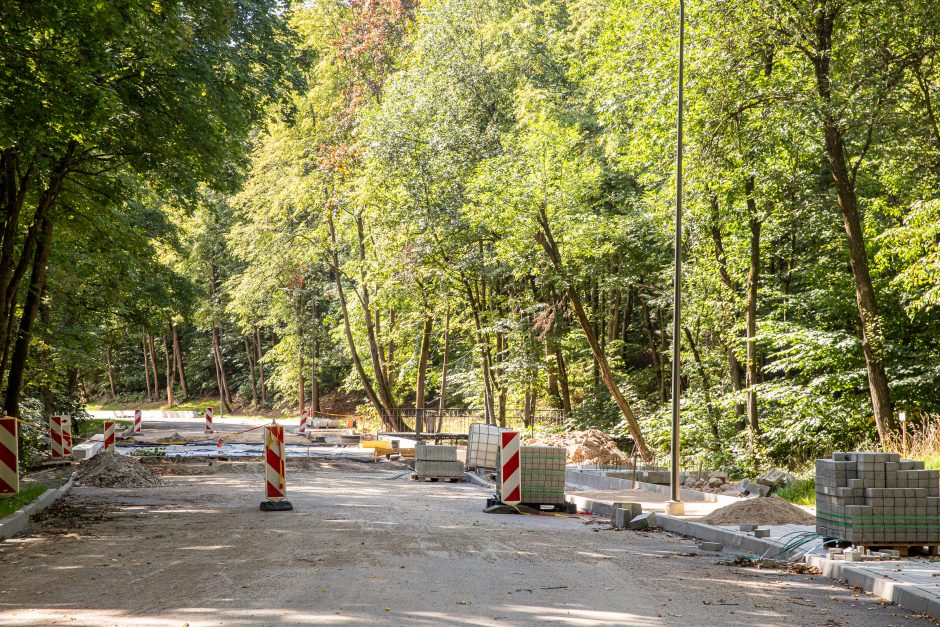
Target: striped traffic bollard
(55, 436)
(510, 487)
(9, 456)
(208, 420)
(275, 492)
(67, 436)
(137, 420)
(108, 436)
(303, 421)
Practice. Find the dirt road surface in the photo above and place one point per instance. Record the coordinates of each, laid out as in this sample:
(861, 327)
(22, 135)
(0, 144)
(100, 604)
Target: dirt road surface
(366, 545)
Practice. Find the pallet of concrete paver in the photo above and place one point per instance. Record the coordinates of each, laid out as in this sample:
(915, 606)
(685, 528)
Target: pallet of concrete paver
(434, 453)
(543, 475)
(436, 470)
(877, 499)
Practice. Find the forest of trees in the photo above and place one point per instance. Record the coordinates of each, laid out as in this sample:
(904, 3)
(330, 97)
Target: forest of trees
(469, 203)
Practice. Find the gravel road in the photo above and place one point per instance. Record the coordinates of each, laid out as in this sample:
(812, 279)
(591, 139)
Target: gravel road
(366, 545)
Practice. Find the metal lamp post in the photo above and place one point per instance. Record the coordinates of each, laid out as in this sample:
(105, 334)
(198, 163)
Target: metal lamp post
(675, 505)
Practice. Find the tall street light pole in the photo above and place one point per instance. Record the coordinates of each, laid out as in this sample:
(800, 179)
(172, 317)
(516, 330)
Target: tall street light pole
(675, 505)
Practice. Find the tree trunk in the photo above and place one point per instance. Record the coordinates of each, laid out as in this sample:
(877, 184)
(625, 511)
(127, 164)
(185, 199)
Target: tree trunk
(169, 373)
(753, 278)
(251, 371)
(315, 375)
(37, 283)
(380, 408)
(706, 389)
(224, 394)
(178, 355)
(146, 367)
(654, 351)
(110, 373)
(484, 348)
(545, 238)
(442, 404)
(873, 343)
(562, 380)
(260, 357)
(422, 373)
(153, 364)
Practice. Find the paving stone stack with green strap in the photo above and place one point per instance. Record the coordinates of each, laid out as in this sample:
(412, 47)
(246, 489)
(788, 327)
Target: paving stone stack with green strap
(543, 475)
(877, 499)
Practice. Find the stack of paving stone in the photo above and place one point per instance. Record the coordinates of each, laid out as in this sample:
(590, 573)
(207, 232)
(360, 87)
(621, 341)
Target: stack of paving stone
(875, 499)
(543, 475)
(437, 462)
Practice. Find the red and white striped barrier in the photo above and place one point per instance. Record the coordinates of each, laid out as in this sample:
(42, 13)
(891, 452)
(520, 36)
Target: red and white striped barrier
(55, 436)
(137, 420)
(108, 435)
(275, 491)
(208, 420)
(303, 421)
(9, 456)
(510, 489)
(66, 436)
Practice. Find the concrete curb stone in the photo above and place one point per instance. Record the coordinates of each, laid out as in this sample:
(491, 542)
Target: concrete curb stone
(17, 521)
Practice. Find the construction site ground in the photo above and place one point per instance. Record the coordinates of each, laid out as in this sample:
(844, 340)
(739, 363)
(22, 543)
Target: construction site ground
(366, 545)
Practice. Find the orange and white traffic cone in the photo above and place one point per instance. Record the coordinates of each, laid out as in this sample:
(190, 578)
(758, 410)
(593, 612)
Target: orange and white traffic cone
(275, 491)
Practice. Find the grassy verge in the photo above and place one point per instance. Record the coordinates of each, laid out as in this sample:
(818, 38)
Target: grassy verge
(88, 428)
(11, 504)
(800, 492)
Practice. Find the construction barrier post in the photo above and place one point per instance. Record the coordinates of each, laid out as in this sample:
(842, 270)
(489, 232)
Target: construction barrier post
(208, 420)
(9, 457)
(303, 421)
(55, 436)
(137, 420)
(275, 491)
(510, 487)
(67, 436)
(108, 436)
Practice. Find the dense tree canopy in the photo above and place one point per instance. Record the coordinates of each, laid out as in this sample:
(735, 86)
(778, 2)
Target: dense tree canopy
(469, 203)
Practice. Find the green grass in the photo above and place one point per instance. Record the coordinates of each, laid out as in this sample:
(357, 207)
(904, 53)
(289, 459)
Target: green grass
(800, 492)
(93, 426)
(10, 504)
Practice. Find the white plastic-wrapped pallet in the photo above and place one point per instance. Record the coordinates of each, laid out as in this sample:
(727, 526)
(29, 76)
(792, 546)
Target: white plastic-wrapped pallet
(483, 446)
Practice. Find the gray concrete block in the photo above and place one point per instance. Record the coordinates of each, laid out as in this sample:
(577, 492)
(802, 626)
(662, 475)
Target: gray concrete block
(711, 546)
(762, 533)
(643, 521)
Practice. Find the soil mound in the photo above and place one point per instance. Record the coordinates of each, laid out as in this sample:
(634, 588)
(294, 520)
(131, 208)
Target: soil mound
(110, 470)
(771, 510)
(585, 447)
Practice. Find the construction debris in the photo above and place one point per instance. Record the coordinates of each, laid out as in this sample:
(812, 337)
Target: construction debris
(643, 521)
(772, 510)
(775, 478)
(111, 470)
(585, 447)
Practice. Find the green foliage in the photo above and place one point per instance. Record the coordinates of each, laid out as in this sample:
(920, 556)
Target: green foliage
(10, 504)
(800, 492)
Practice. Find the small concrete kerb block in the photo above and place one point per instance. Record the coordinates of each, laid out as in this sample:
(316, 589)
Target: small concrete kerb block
(624, 513)
(711, 546)
(747, 528)
(643, 521)
(762, 533)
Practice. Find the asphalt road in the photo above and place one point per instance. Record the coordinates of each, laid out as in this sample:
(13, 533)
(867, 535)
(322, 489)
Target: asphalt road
(365, 545)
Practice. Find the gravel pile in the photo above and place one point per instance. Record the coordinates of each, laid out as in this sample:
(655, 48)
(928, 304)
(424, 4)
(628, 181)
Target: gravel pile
(771, 510)
(585, 447)
(110, 470)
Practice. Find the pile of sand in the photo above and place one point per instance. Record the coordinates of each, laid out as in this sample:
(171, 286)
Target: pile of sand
(771, 510)
(585, 447)
(110, 470)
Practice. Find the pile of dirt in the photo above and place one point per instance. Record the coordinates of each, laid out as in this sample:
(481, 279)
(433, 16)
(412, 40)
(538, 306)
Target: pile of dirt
(771, 510)
(585, 447)
(110, 470)
(176, 437)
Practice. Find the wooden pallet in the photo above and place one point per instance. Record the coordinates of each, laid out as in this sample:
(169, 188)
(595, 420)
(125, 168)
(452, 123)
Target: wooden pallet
(904, 549)
(388, 453)
(417, 477)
